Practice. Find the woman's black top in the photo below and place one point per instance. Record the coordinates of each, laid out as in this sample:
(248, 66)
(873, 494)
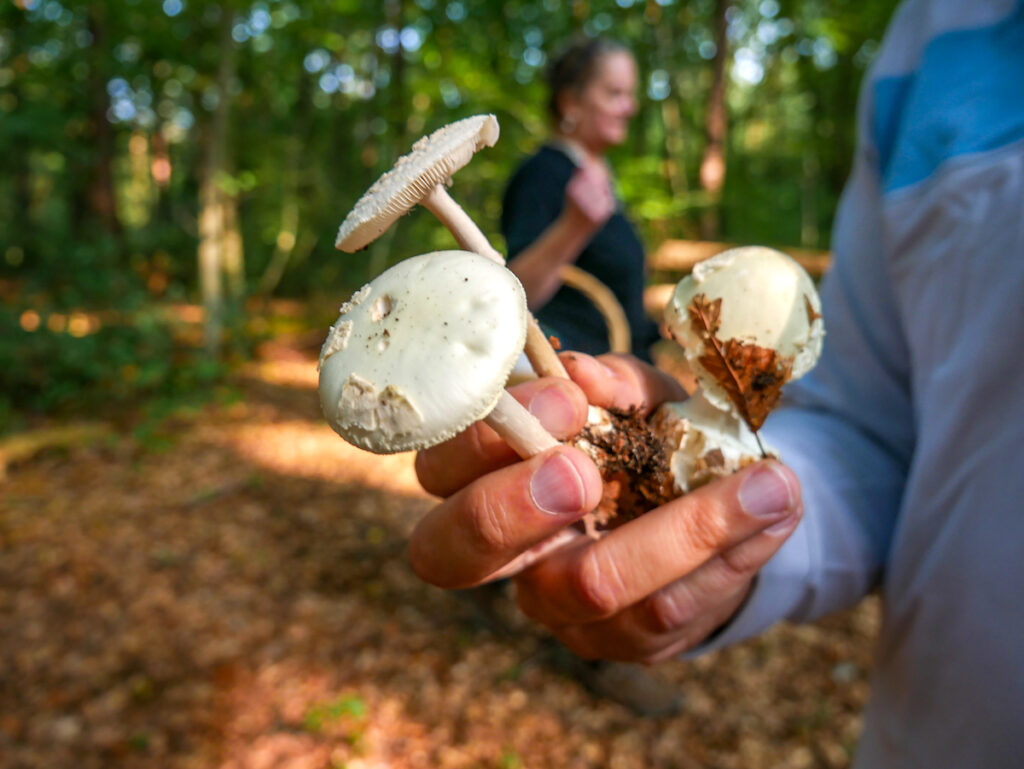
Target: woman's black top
(533, 200)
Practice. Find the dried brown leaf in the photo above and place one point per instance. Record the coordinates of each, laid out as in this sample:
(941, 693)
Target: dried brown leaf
(811, 314)
(751, 375)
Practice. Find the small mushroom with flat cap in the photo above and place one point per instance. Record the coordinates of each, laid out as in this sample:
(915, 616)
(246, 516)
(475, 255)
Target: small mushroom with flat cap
(424, 351)
(419, 178)
(749, 321)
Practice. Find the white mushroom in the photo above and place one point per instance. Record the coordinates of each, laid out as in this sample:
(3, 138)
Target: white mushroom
(749, 320)
(702, 442)
(423, 351)
(420, 178)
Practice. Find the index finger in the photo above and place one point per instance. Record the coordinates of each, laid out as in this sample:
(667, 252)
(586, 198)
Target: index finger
(622, 382)
(597, 579)
(493, 521)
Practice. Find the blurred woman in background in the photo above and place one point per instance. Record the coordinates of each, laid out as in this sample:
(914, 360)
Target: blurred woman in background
(560, 207)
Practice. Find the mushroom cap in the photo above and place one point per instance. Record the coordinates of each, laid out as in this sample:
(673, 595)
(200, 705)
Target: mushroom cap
(432, 161)
(422, 352)
(702, 442)
(767, 300)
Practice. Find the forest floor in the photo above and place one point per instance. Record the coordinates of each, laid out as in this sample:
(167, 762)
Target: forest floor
(230, 591)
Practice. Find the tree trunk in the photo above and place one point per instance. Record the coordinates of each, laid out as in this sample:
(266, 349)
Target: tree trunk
(161, 169)
(214, 231)
(288, 232)
(809, 201)
(397, 101)
(712, 166)
(675, 144)
(234, 250)
(287, 236)
(210, 257)
(100, 194)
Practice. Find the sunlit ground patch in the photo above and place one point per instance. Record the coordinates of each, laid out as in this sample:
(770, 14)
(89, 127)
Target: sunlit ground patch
(308, 450)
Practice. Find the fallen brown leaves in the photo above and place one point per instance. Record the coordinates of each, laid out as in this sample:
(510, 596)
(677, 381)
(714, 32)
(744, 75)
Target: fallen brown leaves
(241, 599)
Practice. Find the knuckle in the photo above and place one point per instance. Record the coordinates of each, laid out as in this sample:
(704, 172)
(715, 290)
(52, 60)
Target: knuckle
(739, 565)
(669, 650)
(487, 522)
(671, 608)
(704, 527)
(417, 560)
(526, 600)
(592, 584)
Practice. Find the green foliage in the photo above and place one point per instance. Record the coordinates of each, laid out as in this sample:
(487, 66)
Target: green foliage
(348, 708)
(53, 371)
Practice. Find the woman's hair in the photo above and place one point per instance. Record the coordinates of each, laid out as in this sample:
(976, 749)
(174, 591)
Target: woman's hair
(575, 66)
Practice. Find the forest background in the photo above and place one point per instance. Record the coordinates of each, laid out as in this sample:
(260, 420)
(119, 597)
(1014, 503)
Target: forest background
(158, 158)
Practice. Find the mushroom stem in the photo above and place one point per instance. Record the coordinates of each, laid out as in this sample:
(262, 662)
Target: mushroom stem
(540, 353)
(466, 233)
(520, 429)
(538, 349)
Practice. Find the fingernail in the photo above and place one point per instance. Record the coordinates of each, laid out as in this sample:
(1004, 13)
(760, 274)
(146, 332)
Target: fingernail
(766, 492)
(554, 410)
(557, 487)
(785, 525)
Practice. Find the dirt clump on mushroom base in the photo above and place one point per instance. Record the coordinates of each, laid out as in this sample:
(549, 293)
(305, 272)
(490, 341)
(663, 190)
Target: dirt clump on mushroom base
(633, 464)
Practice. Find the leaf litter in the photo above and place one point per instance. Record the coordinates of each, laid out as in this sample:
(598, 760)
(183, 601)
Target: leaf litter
(241, 600)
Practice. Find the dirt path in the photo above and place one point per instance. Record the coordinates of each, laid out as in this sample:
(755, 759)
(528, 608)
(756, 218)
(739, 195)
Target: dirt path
(240, 599)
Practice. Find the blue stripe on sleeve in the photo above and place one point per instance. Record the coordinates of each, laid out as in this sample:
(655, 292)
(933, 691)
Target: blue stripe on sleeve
(966, 96)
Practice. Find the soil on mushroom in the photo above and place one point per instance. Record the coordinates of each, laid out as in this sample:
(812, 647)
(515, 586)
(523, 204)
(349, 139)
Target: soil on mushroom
(634, 465)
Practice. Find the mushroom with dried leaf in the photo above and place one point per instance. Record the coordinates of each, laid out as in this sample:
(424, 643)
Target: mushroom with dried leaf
(423, 351)
(749, 321)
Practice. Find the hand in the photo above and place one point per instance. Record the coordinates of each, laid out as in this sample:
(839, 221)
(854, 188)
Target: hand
(646, 590)
(589, 200)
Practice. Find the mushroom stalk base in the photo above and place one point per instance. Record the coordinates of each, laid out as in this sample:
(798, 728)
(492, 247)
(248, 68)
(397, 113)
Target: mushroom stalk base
(466, 233)
(520, 429)
(633, 464)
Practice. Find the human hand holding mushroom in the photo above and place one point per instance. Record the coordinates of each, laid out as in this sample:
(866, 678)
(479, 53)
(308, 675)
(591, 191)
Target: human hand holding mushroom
(660, 583)
(420, 178)
(642, 591)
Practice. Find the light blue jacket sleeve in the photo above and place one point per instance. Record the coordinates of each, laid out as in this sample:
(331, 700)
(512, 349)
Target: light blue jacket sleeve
(847, 430)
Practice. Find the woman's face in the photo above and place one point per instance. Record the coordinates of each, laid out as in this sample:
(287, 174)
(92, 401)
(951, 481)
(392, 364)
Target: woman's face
(602, 110)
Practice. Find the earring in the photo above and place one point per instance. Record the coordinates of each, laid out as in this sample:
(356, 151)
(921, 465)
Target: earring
(568, 125)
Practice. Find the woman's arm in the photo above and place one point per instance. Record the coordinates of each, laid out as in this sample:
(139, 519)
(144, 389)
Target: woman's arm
(589, 203)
